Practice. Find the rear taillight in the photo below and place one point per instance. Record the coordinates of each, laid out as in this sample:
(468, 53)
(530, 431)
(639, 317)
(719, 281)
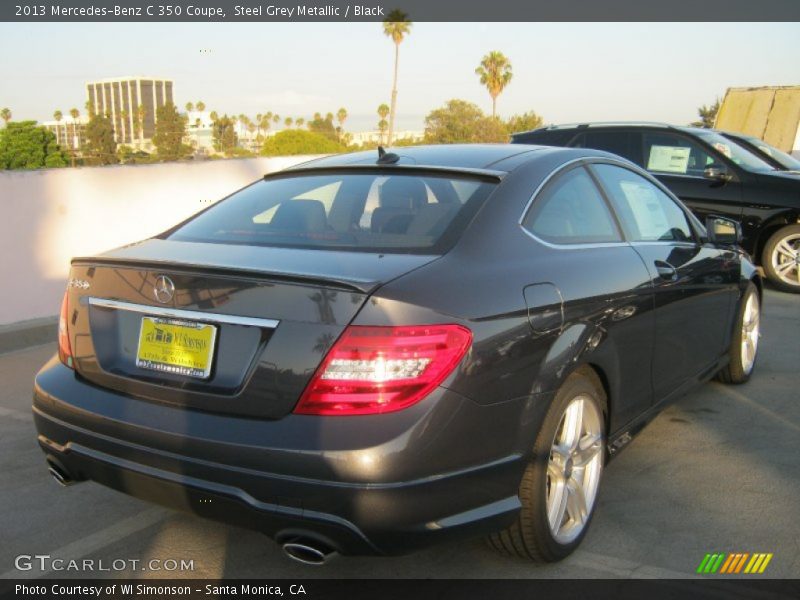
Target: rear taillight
(64, 348)
(383, 369)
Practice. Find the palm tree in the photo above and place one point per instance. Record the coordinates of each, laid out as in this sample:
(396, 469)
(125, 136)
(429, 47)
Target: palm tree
(5, 114)
(58, 115)
(341, 117)
(74, 113)
(141, 113)
(200, 106)
(214, 116)
(383, 112)
(299, 121)
(276, 118)
(123, 116)
(495, 73)
(396, 26)
(288, 122)
(189, 107)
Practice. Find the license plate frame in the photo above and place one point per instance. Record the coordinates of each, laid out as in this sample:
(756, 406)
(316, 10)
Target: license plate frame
(167, 356)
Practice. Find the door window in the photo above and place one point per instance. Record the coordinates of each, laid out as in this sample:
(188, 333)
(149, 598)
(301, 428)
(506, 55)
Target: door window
(647, 214)
(571, 210)
(627, 144)
(669, 154)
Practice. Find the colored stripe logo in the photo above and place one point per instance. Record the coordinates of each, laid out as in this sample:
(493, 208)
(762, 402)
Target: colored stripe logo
(735, 563)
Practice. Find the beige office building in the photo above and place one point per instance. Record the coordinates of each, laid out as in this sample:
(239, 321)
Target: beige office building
(122, 98)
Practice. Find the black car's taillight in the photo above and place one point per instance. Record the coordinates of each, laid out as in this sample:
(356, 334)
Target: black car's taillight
(373, 370)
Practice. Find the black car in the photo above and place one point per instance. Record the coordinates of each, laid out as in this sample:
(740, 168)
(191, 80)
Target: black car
(369, 354)
(774, 156)
(713, 175)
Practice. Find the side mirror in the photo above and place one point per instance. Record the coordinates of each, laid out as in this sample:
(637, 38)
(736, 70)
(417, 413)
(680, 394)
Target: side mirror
(726, 232)
(716, 173)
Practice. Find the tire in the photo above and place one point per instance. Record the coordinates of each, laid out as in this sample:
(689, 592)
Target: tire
(531, 536)
(781, 259)
(743, 351)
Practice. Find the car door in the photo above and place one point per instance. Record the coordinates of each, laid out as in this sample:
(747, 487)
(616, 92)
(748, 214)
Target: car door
(679, 162)
(694, 282)
(600, 281)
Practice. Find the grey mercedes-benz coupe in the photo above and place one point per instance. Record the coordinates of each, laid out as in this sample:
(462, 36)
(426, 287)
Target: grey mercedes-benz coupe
(374, 352)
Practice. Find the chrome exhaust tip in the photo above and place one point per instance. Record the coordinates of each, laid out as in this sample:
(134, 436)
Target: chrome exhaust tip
(62, 477)
(308, 553)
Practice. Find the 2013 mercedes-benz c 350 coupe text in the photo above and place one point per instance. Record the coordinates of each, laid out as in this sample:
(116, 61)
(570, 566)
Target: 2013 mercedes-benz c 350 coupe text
(371, 353)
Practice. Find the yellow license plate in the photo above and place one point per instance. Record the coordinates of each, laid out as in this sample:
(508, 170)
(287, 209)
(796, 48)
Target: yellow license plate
(175, 346)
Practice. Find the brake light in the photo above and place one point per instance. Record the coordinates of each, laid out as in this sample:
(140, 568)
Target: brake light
(64, 348)
(373, 370)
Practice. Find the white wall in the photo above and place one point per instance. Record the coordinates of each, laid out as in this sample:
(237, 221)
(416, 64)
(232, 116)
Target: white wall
(49, 216)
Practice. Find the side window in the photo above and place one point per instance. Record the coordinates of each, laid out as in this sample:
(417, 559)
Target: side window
(570, 210)
(627, 144)
(665, 153)
(647, 214)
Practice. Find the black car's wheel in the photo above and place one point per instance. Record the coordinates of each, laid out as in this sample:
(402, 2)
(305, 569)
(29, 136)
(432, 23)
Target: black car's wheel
(744, 343)
(781, 258)
(559, 487)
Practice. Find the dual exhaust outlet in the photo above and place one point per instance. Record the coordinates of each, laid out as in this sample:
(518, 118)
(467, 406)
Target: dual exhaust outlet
(308, 552)
(61, 475)
(304, 551)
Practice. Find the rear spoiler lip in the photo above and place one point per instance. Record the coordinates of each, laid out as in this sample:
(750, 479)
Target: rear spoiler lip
(361, 286)
(492, 175)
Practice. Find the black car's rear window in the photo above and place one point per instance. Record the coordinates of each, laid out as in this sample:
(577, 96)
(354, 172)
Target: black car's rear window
(379, 211)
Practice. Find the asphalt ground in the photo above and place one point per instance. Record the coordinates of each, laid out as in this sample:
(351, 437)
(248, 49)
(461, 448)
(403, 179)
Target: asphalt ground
(719, 471)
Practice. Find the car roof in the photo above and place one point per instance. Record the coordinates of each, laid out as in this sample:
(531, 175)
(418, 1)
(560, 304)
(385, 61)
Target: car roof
(615, 125)
(487, 159)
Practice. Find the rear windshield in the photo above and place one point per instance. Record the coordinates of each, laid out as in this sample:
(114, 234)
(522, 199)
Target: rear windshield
(345, 211)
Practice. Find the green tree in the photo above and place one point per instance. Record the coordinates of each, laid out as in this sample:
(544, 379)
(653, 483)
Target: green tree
(58, 115)
(5, 114)
(524, 122)
(383, 125)
(223, 133)
(341, 117)
(200, 106)
(708, 115)
(397, 27)
(495, 74)
(25, 145)
(323, 126)
(74, 113)
(288, 122)
(290, 142)
(169, 133)
(141, 114)
(299, 121)
(189, 107)
(459, 121)
(99, 146)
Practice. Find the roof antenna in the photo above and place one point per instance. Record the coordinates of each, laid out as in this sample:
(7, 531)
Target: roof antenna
(386, 158)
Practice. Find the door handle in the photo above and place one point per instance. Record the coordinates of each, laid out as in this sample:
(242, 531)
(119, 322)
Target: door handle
(666, 270)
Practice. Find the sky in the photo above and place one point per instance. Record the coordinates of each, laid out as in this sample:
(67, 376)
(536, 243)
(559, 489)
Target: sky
(566, 72)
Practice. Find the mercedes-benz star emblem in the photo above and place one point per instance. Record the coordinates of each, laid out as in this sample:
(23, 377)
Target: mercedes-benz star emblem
(164, 289)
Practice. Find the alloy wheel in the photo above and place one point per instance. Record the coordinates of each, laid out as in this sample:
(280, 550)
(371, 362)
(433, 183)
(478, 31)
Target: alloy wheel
(574, 469)
(786, 259)
(751, 326)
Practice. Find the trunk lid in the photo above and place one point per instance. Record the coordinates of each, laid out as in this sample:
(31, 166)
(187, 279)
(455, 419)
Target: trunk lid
(262, 318)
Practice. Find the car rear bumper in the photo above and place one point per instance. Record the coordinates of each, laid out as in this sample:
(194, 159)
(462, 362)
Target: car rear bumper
(384, 484)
